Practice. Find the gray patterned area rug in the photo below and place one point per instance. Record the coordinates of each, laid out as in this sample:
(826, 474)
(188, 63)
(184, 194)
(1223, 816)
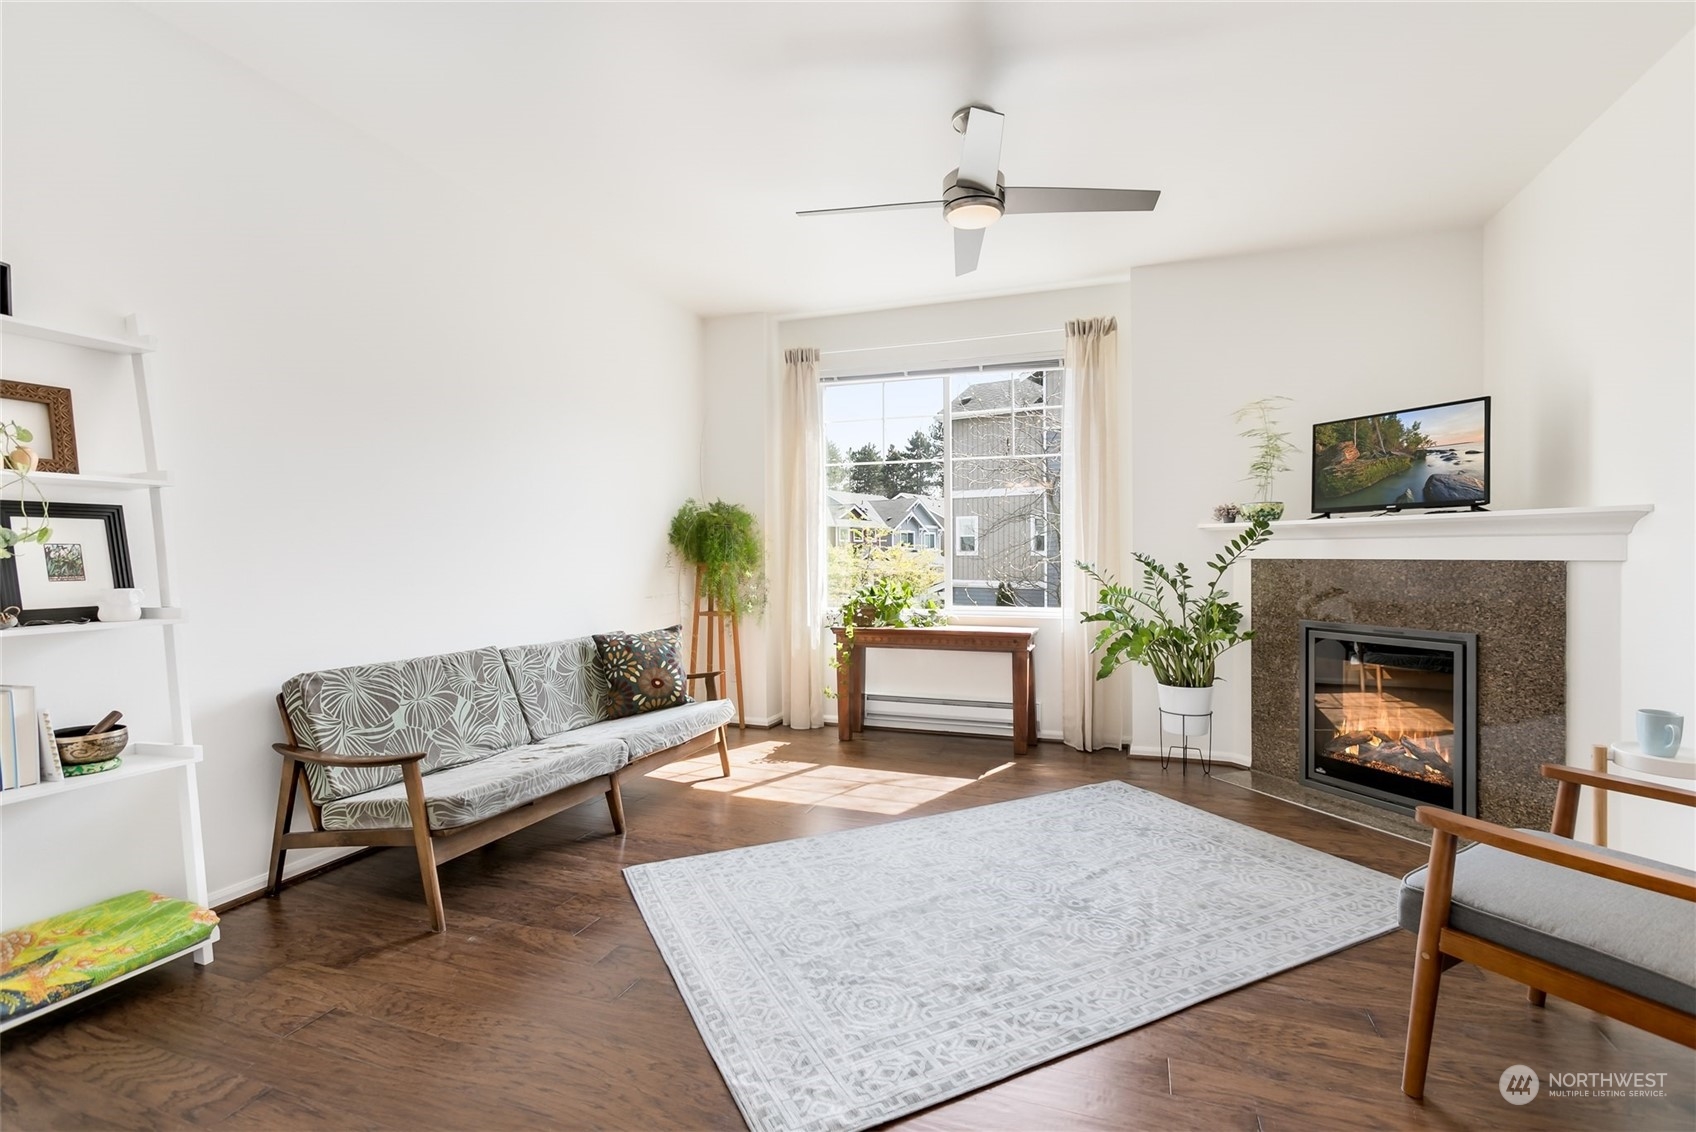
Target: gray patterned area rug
(846, 979)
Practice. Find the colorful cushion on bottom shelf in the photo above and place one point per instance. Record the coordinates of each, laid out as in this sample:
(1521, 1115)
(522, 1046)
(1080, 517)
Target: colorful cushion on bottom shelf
(64, 955)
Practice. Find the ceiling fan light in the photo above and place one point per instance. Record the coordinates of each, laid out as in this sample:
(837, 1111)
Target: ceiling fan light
(972, 212)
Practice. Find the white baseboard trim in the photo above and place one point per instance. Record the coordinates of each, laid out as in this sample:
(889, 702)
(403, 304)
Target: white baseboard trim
(1228, 758)
(768, 721)
(300, 861)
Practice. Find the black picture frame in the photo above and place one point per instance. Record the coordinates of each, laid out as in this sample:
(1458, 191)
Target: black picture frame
(5, 288)
(117, 549)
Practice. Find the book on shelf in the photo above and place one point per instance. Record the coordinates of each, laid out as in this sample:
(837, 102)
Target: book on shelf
(20, 738)
(52, 770)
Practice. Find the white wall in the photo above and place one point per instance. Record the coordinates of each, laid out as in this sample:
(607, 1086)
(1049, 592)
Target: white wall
(1589, 292)
(403, 421)
(1341, 329)
(737, 361)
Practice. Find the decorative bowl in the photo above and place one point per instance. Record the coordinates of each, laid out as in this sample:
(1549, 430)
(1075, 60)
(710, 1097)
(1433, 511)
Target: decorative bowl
(77, 746)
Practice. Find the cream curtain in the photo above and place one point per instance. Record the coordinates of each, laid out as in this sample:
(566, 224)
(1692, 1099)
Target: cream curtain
(803, 543)
(1092, 714)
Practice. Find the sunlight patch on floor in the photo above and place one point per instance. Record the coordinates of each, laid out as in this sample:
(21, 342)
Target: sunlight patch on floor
(757, 774)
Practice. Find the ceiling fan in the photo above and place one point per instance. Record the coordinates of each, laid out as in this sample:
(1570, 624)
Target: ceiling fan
(974, 197)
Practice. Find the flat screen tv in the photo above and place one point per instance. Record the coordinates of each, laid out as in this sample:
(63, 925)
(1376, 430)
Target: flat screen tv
(1432, 456)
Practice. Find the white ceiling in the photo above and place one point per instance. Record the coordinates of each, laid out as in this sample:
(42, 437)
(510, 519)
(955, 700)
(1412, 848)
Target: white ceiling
(682, 138)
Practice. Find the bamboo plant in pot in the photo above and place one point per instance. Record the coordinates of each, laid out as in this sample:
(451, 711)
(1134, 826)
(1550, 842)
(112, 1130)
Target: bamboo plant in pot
(1272, 452)
(1173, 624)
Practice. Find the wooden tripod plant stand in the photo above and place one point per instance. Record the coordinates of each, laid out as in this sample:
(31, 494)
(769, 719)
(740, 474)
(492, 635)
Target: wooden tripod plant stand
(710, 622)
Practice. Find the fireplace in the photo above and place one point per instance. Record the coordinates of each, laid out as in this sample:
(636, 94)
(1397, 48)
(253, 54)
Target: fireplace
(1390, 715)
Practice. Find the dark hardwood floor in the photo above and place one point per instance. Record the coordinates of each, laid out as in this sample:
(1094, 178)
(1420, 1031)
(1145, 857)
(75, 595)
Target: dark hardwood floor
(546, 1004)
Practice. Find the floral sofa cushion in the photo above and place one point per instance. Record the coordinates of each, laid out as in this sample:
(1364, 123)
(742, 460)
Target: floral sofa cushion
(457, 708)
(560, 685)
(63, 955)
(471, 792)
(656, 730)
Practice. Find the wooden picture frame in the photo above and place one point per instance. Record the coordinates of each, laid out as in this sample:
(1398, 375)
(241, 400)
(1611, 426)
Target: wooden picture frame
(117, 557)
(61, 424)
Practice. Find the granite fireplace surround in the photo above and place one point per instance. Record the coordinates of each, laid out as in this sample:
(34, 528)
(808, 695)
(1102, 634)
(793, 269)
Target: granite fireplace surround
(1518, 610)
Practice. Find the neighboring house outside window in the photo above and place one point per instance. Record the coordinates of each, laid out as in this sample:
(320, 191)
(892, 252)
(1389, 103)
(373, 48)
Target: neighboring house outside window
(978, 450)
(965, 534)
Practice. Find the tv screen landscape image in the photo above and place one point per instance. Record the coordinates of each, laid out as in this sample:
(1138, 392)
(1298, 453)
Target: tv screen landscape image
(1434, 456)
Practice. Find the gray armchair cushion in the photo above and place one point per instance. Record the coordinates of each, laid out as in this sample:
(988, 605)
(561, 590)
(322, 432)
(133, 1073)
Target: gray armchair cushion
(666, 727)
(1627, 937)
(473, 791)
(560, 685)
(456, 708)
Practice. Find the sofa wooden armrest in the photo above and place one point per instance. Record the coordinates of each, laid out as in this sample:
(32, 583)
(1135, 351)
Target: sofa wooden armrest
(290, 751)
(1571, 855)
(712, 679)
(1599, 781)
(1529, 958)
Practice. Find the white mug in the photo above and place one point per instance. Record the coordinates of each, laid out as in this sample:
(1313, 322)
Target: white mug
(1659, 732)
(121, 605)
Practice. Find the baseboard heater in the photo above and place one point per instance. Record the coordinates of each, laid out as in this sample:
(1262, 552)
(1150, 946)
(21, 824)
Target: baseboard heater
(940, 713)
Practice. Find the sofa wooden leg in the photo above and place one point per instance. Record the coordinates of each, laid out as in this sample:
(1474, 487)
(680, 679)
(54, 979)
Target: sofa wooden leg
(1428, 963)
(615, 804)
(426, 850)
(285, 814)
(1536, 997)
(724, 750)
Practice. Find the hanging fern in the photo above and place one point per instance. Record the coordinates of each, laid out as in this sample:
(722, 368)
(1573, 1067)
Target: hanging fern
(723, 541)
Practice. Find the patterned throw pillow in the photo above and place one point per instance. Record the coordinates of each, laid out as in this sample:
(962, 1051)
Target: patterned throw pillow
(643, 671)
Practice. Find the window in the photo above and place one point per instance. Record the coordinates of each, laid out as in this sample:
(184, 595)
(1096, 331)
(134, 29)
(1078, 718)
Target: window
(965, 534)
(951, 479)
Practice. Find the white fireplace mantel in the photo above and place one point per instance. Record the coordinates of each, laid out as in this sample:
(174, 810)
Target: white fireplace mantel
(1555, 534)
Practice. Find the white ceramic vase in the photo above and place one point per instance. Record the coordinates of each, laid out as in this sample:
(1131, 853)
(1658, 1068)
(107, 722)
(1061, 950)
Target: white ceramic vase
(121, 605)
(1193, 702)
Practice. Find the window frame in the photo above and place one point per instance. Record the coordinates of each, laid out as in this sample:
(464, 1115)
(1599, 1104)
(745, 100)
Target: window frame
(947, 541)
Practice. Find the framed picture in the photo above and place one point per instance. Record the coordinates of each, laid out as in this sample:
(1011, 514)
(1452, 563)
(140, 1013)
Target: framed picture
(5, 288)
(46, 411)
(63, 579)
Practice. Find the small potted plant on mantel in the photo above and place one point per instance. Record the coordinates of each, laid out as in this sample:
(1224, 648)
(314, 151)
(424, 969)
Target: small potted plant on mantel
(1272, 452)
(1174, 627)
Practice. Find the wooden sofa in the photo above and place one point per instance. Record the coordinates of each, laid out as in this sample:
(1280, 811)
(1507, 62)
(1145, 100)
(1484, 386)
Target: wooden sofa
(448, 753)
(1603, 929)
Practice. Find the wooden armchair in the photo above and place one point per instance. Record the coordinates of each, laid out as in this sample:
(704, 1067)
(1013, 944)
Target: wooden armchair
(1510, 905)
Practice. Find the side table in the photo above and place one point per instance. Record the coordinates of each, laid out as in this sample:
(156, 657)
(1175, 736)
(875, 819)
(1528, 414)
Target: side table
(1629, 754)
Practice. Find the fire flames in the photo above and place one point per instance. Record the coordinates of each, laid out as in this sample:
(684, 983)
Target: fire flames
(1388, 734)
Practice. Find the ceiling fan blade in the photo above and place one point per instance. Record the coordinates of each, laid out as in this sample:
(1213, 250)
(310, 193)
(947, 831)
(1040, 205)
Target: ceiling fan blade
(1079, 200)
(871, 208)
(968, 242)
(980, 153)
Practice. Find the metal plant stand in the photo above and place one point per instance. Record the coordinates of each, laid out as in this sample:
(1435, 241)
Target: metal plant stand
(1183, 746)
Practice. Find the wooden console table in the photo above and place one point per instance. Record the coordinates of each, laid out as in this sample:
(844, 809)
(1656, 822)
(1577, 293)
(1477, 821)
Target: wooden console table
(1018, 644)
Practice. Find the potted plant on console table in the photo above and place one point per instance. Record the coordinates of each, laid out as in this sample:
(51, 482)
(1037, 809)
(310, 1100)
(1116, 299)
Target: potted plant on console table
(1166, 624)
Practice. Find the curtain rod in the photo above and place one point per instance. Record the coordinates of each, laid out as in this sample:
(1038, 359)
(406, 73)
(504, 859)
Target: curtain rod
(942, 342)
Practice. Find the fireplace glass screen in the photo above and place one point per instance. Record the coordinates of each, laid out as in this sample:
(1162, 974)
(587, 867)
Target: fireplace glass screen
(1388, 715)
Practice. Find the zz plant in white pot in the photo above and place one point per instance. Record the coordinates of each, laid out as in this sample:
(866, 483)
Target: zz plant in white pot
(1173, 624)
